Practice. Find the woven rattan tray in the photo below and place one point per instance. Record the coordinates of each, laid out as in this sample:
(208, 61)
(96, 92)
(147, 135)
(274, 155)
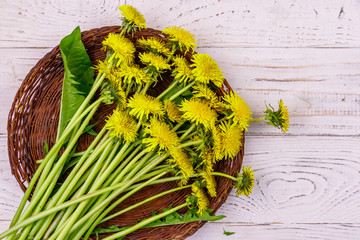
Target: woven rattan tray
(34, 116)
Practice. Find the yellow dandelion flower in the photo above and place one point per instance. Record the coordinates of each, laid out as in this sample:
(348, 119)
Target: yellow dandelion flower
(209, 160)
(154, 60)
(203, 91)
(280, 118)
(244, 182)
(123, 49)
(198, 111)
(182, 70)
(154, 45)
(142, 105)
(182, 160)
(132, 16)
(206, 70)
(217, 143)
(120, 124)
(231, 139)
(202, 200)
(161, 135)
(183, 39)
(133, 73)
(210, 183)
(172, 111)
(284, 116)
(241, 113)
(121, 96)
(103, 67)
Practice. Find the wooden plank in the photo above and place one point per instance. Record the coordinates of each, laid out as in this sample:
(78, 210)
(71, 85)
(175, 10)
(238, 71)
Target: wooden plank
(231, 23)
(320, 86)
(278, 231)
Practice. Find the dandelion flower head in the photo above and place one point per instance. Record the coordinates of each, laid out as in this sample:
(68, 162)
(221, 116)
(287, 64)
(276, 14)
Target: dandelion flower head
(142, 105)
(244, 182)
(181, 159)
(241, 113)
(133, 73)
(206, 70)
(231, 139)
(122, 125)
(161, 135)
(154, 60)
(155, 45)
(122, 47)
(172, 111)
(202, 200)
(133, 16)
(199, 111)
(210, 183)
(184, 39)
(182, 70)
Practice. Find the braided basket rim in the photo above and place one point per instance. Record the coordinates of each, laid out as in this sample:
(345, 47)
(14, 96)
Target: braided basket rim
(34, 113)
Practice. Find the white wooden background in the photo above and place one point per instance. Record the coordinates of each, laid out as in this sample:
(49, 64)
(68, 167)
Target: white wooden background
(304, 51)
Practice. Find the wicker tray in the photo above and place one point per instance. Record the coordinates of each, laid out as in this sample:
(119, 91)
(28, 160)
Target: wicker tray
(34, 116)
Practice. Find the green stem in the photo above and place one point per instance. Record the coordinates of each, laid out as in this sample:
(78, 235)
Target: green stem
(70, 181)
(172, 85)
(114, 194)
(223, 175)
(74, 177)
(117, 202)
(42, 188)
(177, 126)
(94, 186)
(147, 86)
(190, 143)
(181, 91)
(188, 131)
(143, 202)
(144, 223)
(257, 120)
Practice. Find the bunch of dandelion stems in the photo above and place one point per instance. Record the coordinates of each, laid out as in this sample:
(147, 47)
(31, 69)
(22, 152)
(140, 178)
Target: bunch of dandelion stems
(105, 170)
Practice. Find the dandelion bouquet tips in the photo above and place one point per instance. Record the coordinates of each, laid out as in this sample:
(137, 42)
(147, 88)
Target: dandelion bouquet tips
(156, 139)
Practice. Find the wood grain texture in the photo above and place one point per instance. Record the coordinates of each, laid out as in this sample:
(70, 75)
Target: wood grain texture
(306, 52)
(247, 23)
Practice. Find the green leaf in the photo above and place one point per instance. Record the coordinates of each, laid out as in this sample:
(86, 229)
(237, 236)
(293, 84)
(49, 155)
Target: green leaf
(228, 233)
(78, 77)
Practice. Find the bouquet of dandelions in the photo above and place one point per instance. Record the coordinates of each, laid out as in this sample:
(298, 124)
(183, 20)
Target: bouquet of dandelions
(183, 131)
